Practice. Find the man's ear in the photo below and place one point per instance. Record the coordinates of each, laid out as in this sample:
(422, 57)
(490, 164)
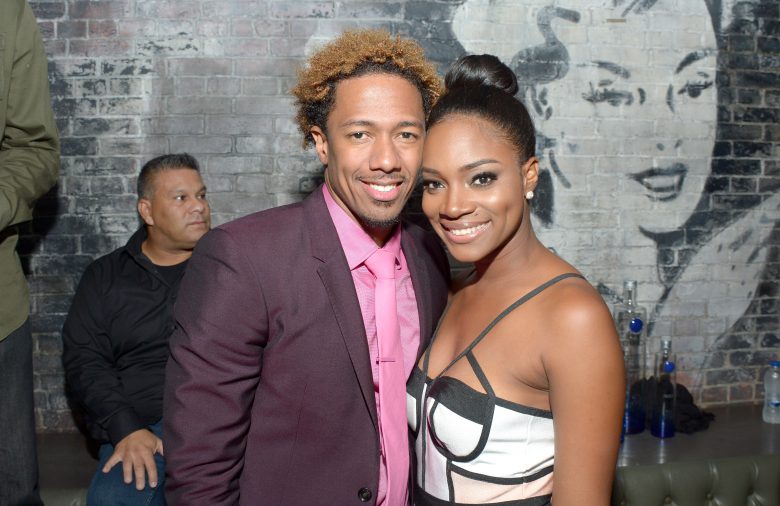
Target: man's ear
(320, 144)
(145, 211)
(530, 173)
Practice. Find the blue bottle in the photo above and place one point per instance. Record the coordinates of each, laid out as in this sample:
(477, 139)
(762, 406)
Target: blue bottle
(664, 397)
(630, 321)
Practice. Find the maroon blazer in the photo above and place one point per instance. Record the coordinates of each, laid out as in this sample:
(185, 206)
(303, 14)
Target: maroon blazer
(269, 397)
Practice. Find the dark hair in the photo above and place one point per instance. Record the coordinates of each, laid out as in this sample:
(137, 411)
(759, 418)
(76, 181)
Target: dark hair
(159, 164)
(353, 54)
(482, 86)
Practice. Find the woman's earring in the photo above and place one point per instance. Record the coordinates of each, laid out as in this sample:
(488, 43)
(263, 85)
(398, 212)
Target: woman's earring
(529, 195)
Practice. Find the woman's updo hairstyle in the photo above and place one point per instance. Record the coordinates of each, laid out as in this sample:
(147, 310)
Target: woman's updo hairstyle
(483, 86)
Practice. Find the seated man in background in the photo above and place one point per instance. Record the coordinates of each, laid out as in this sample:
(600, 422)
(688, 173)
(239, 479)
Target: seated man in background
(116, 334)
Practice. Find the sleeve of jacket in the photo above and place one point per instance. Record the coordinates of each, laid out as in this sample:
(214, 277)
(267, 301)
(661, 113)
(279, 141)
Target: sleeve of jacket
(88, 359)
(29, 148)
(212, 374)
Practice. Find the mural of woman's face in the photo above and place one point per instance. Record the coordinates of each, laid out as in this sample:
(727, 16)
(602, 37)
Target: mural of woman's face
(629, 111)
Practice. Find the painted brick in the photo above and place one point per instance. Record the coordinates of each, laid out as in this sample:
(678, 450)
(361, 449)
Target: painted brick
(102, 28)
(174, 125)
(98, 9)
(758, 79)
(199, 105)
(264, 105)
(98, 47)
(200, 66)
(264, 67)
(260, 86)
(238, 125)
(237, 8)
(78, 146)
(271, 28)
(770, 341)
(219, 165)
(126, 86)
(741, 43)
(769, 44)
(741, 393)
(164, 9)
(739, 132)
(122, 106)
(71, 29)
(200, 144)
(179, 46)
(118, 224)
(136, 28)
(243, 47)
(212, 28)
(368, 10)
(183, 86)
(728, 376)
(749, 96)
(288, 47)
(752, 149)
(714, 395)
(736, 167)
(301, 9)
(228, 86)
(743, 61)
(119, 146)
(128, 67)
(48, 10)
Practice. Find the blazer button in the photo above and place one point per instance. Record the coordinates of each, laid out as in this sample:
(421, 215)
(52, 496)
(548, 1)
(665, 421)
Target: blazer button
(365, 494)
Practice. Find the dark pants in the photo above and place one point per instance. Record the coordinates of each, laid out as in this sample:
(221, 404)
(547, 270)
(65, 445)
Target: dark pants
(18, 458)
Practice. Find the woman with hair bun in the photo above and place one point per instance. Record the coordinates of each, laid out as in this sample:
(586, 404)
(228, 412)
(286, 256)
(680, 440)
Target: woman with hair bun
(524, 377)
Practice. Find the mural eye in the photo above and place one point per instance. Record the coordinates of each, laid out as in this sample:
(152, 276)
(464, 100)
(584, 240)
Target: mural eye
(609, 95)
(694, 88)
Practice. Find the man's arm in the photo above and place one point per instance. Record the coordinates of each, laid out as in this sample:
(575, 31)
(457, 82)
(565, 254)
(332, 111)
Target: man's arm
(29, 148)
(94, 380)
(212, 373)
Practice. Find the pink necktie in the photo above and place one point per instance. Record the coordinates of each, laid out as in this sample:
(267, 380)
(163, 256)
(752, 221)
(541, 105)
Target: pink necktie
(392, 380)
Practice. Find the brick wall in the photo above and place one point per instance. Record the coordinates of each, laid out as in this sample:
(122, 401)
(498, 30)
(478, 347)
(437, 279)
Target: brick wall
(131, 79)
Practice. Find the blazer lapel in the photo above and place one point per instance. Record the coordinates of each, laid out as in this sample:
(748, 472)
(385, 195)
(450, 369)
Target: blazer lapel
(422, 291)
(337, 280)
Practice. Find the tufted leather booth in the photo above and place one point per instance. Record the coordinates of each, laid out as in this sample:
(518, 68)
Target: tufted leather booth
(64, 496)
(739, 481)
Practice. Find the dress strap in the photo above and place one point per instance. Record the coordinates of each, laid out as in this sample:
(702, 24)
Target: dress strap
(533, 293)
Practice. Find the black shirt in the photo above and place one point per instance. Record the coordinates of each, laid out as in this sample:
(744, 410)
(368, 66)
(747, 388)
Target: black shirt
(115, 340)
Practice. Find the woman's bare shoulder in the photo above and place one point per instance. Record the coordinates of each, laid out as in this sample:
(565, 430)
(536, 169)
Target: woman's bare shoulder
(577, 311)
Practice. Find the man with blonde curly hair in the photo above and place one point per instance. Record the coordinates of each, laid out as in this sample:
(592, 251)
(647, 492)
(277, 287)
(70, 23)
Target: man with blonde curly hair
(286, 382)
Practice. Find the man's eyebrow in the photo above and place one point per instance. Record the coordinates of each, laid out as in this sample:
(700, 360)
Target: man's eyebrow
(368, 123)
(614, 68)
(692, 57)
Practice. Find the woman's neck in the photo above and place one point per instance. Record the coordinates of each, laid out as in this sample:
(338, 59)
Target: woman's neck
(516, 258)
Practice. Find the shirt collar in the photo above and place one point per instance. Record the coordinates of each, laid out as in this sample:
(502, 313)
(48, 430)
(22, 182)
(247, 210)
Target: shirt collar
(355, 242)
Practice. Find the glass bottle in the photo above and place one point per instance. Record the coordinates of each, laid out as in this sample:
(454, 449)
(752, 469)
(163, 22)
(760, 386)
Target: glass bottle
(630, 321)
(665, 392)
(771, 411)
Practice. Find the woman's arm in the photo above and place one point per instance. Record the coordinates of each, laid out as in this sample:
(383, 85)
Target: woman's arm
(584, 366)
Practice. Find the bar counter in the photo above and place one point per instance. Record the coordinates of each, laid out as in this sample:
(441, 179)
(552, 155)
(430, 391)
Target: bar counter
(737, 431)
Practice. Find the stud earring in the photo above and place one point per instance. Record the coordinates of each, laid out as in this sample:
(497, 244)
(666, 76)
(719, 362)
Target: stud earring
(529, 195)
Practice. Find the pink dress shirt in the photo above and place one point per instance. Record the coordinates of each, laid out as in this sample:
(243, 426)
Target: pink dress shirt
(358, 246)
